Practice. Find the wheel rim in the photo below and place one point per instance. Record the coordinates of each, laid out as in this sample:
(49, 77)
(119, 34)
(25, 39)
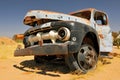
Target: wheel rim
(87, 57)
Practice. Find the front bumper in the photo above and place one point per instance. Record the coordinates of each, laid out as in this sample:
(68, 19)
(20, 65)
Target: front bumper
(45, 49)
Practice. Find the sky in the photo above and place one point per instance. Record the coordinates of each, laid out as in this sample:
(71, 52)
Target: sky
(12, 12)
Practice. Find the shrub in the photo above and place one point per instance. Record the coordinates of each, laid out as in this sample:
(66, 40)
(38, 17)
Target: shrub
(117, 42)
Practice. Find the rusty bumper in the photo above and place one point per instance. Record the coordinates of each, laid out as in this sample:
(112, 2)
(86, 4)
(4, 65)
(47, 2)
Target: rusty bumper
(46, 49)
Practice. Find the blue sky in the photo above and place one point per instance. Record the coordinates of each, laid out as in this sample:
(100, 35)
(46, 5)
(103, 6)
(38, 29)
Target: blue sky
(12, 12)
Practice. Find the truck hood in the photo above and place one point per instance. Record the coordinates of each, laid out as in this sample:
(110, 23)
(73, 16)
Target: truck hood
(40, 15)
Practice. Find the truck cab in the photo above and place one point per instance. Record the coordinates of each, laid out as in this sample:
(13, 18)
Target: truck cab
(99, 21)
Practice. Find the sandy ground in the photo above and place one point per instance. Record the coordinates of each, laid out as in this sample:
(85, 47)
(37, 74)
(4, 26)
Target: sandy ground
(24, 68)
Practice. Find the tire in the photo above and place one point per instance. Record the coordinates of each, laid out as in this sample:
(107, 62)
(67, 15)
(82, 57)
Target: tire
(87, 57)
(72, 64)
(84, 60)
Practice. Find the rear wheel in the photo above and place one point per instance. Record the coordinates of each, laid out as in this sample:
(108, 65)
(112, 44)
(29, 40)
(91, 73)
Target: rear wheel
(84, 60)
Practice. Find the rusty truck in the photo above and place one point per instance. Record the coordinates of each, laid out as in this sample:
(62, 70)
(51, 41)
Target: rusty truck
(77, 37)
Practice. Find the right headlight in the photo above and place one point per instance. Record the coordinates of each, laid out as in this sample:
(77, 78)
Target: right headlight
(64, 33)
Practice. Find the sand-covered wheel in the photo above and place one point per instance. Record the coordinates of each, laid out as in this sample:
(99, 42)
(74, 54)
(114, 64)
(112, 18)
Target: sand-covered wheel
(87, 57)
(84, 60)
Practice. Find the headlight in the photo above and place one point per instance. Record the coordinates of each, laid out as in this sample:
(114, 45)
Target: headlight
(64, 33)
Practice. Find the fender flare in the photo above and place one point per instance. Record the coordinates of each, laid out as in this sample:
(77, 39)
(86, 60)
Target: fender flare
(78, 32)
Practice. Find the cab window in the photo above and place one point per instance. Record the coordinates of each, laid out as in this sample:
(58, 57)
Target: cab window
(100, 18)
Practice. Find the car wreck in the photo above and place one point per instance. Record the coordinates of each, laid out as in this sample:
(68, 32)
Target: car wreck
(78, 37)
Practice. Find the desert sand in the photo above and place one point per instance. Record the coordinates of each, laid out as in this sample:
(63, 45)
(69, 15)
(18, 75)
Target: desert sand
(24, 68)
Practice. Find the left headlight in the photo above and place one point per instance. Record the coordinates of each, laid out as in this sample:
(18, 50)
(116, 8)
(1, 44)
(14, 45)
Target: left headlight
(64, 33)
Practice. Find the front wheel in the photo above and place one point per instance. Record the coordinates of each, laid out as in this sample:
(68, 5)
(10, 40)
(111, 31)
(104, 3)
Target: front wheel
(87, 57)
(84, 60)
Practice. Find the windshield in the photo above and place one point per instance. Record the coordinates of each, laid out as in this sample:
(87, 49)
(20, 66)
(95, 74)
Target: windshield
(84, 14)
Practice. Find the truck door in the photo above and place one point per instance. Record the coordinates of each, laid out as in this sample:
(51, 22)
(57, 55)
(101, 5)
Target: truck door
(102, 26)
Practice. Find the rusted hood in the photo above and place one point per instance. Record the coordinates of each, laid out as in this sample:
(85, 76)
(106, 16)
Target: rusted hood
(37, 15)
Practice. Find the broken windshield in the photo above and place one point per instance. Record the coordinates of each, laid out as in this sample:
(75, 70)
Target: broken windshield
(84, 14)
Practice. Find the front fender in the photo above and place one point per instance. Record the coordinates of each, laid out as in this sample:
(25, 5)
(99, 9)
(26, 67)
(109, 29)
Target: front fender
(78, 32)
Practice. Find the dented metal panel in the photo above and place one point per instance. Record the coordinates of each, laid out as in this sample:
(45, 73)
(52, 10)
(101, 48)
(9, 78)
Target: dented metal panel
(105, 37)
(41, 14)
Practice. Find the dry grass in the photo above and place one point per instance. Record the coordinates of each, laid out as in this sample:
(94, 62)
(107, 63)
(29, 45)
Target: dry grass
(7, 41)
(7, 47)
(6, 51)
